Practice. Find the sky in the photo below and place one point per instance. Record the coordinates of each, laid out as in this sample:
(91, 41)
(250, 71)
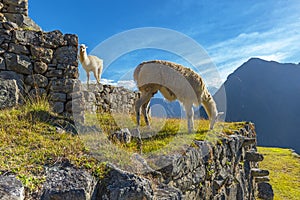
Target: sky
(211, 36)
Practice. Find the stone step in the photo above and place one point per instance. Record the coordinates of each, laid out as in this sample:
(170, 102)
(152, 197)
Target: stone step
(259, 172)
(262, 179)
(253, 156)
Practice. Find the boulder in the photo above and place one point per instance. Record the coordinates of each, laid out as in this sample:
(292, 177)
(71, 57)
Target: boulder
(123, 136)
(122, 185)
(9, 93)
(68, 183)
(11, 188)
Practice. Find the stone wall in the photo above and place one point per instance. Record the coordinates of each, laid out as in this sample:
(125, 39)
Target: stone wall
(17, 11)
(111, 99)
(227, 170)
(41, 62)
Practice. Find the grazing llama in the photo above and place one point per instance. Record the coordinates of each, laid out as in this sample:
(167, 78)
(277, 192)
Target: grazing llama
(90, 63)
(174, 81)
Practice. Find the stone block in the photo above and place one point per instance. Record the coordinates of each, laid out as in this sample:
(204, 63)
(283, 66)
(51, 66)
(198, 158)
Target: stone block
(265, 191)
(18, 63)
(71, 39)
(58, 107)
(254, 156)
(62, 97)
(13, 76)
(259, 172)
(53, 39)
(9, 93)
(36, 80)
(17, 49)
(28, 37)
(40, 67)
(65, 85)
(54, 73)
(41, 54)
(66, 55)
(37, 92)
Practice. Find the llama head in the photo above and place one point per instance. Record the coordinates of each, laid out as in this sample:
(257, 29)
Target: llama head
(214, 119)
(83, 48)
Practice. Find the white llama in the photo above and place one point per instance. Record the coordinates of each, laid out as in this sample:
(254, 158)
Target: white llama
(174, 81)
(90, 63)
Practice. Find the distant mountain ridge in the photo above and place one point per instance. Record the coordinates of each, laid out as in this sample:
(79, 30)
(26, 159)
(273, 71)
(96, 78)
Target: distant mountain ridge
(268, 94)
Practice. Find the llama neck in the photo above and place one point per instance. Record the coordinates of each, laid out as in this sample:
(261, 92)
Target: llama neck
(210, 108)
(83, 57)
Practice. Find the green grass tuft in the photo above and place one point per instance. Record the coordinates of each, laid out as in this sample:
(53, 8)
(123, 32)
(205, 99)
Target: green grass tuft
(29, 143)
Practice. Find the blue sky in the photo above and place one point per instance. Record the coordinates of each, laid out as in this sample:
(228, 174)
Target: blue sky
(230, 31)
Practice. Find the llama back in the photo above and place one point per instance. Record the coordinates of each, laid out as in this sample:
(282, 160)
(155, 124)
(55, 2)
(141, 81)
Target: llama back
(170, 74)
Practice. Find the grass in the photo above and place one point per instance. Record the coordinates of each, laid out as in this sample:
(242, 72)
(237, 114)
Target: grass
(284, 172)
(167, 137)
(29, 143)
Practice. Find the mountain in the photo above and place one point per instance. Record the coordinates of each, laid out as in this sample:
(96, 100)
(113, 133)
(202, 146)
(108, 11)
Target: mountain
(163, 108)
(268, 94)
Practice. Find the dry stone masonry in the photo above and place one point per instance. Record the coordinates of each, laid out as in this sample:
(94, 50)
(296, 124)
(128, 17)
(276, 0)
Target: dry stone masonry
(47, 63)
(227, 170)
(112, 99)
(37, 62)
(40, 62)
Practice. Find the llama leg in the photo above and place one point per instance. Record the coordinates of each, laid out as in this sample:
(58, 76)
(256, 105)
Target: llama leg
(99, 74)
(96, 75)
(88, 78)
(190, 117)
(140, 102)
(145, 110)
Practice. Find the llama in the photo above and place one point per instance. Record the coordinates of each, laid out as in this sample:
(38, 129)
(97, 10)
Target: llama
(90, 63)
(174, 81)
